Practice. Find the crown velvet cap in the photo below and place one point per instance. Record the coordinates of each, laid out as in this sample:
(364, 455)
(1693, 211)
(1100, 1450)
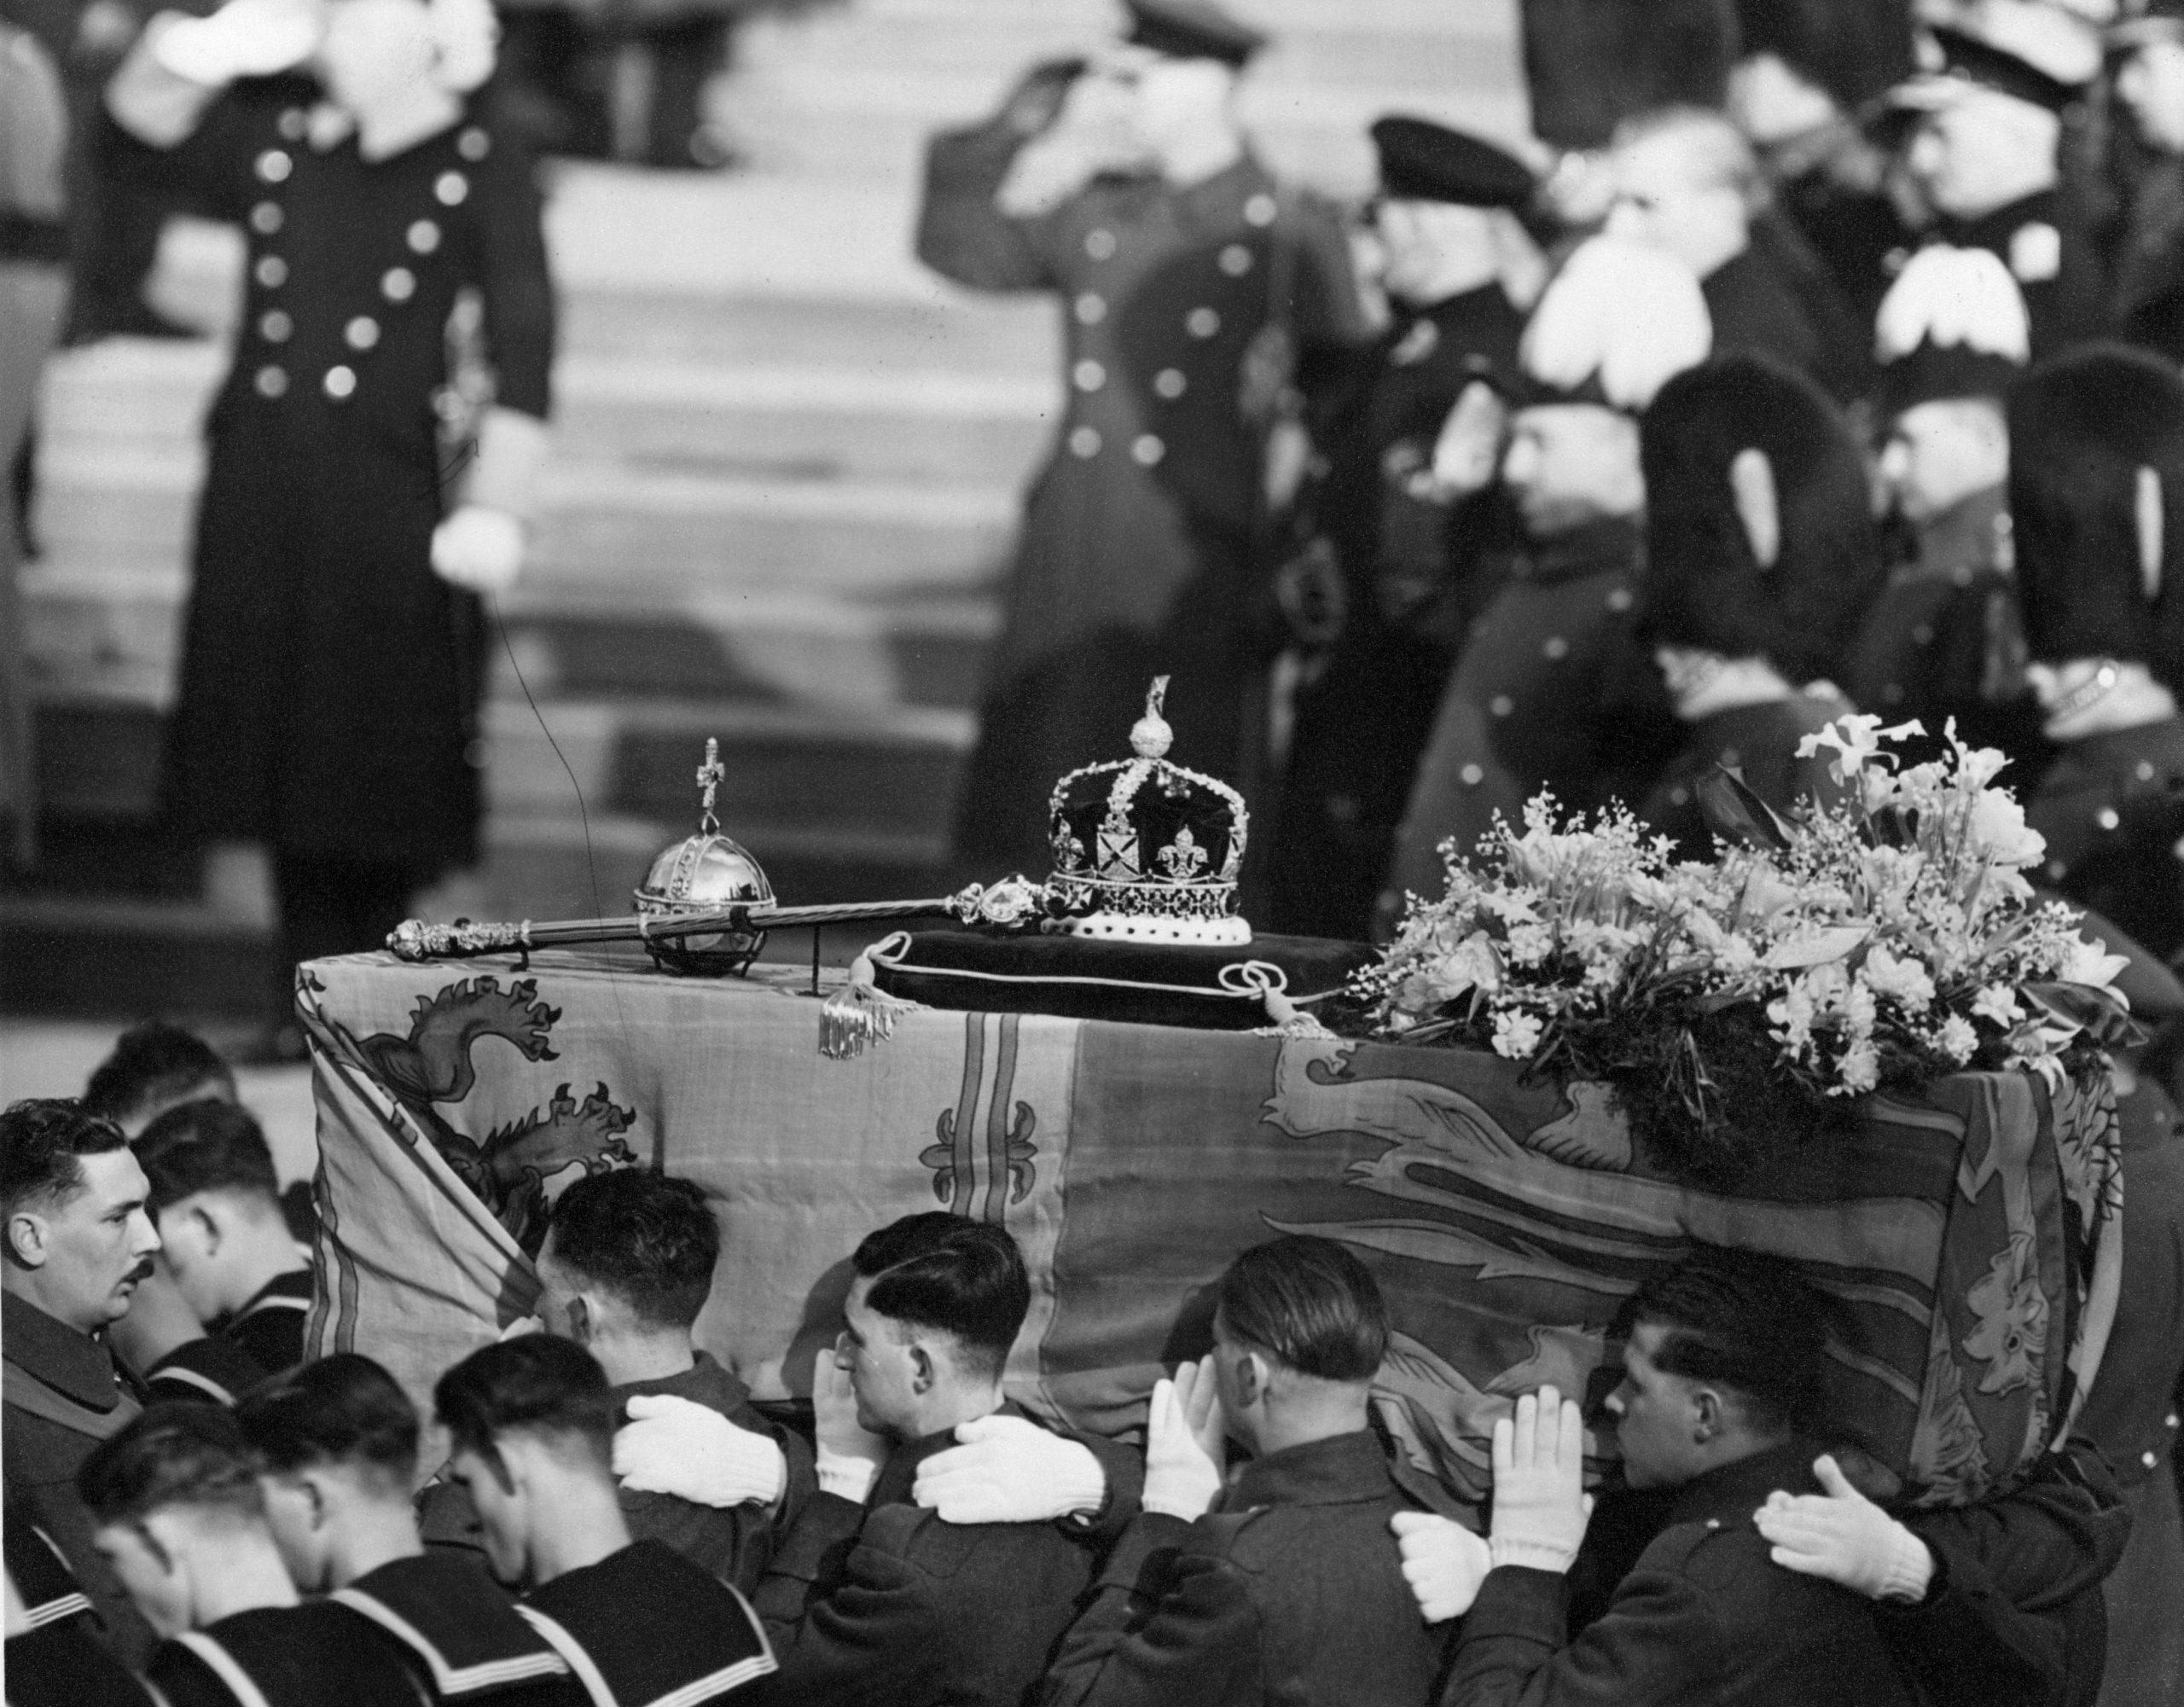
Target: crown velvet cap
(1144, 850)
(1422, 161)
(1193, 29)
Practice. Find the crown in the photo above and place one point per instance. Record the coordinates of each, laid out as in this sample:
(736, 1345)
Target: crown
(1147, 850)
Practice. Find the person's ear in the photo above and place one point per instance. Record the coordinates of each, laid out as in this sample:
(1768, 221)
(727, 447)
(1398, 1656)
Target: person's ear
(583, 1324)
(27, 1239)
(1751, 482)
(1254, 1373)
(923, 1371)
(1707, 1415)
(2153, 522)
(314, 1487)
(207, 1224)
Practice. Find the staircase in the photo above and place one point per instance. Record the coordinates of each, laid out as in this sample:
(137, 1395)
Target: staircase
(787, 468)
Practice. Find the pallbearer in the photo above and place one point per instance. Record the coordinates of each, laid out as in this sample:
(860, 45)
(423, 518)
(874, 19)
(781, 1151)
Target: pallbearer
(332, 655)
(1126, 187)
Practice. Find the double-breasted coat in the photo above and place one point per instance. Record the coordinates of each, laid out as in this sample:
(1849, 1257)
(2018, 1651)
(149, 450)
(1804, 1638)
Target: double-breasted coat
(1136, 553)
(330, 680)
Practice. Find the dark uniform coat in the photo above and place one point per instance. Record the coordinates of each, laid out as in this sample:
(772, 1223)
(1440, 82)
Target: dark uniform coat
(65, 1392)
(1705, 1617)
(885, 1602)
(1944, 639)
(1137, 551)
(1760, 744)
(2047, 253)
(1552, 690)
(1363, 722)
(330, 680)
(650, 1626)
(59, 1661)
(2112, 807)
(1777, 299)
(307, 1655)
(2150, 262)
(458, 1634)
(1291, 1589)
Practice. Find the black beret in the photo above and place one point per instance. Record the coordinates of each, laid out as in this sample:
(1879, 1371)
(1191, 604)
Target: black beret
(1193, 29)
(1422, 161)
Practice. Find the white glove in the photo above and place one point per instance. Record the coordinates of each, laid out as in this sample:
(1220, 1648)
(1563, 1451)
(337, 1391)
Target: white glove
(1443, 1561)
(243, 38)
(1183, 1436)
(1006, 1469)
(672, 1446)
(1844, 1537)
(849, 1455)
(1540, 1504)
(478, 549)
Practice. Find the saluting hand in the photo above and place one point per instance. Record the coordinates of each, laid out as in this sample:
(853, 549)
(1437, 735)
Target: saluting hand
(1540, 1504)
(1183, 1443)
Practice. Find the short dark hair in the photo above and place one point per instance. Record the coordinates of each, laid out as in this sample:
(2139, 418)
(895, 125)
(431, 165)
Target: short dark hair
(647, 1237)
(1747, 1321)
(206, 1146)
(540, 1384)
(1310, 1304)
(153, 1062)
(182, 1453)
(965, 1278)
(344, 1409)
(40, 1138)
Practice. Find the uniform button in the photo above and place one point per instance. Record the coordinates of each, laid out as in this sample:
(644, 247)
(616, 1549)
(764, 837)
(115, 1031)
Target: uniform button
(398, 284)
(1556, 647)
(274, 166)
(266, 218)
(1260, 210)
(1146, 449)
(271, 382)
(1619, 599)
(1500, 704)
(473, 144)
(1729, 757)
(1679, 797)
(1088, 376)
(293, 123)
(1893, 694)
(450, 188)
(271, 272)
(1472, 775)
(274, 326)
(1091, 309)
(2143, 770)
(1236, 260)
(340, 382)
(1084, 441)
(2107, 818)
(2056, 869)
(1201, 322)
(1923, 635)
(2170, 1421)
(362, 333)
(2149, 1459)
(1168, 382)
(424, 236)
(1961, 574)
(1099, 243)
(1713, 1523)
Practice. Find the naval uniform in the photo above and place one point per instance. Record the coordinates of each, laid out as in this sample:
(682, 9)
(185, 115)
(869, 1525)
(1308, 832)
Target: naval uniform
(458, 1634)
(1552, 690)
(2048, 256)
(310, 1655)
(1137, 555)
(330, 680)
(1944, 639)
(1760, 744)
(1290, 1590)
(59, 1661)
(645, 1628)
(1362, 723)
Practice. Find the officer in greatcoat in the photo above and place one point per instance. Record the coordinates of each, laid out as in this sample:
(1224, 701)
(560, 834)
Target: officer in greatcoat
(2149, 299)
(1127, 188)
(1551, 689)
(1944, 639)
(1382, 590)
(334, 642)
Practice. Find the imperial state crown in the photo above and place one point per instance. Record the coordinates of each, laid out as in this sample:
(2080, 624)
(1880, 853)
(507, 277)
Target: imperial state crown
(1145, 851)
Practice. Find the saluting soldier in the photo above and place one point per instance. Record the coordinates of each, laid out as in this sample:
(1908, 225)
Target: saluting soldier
(1984, 152)
(1127, 187)
(1761, 557)
(1944, 639)
(1551, 689)
(1382, 590)
(332, 654)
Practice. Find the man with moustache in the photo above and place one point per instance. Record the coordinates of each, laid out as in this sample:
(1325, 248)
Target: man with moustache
(78, 1239)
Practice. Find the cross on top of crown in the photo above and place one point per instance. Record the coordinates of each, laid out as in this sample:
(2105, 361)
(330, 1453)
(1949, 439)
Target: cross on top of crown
(710, 775)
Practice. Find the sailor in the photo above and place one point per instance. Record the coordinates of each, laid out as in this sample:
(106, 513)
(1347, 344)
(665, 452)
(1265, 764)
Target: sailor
(1127, 187)
(333, 650)
(1943, 640)
(1761, 557)
(1379, 593)
(1551, 689)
